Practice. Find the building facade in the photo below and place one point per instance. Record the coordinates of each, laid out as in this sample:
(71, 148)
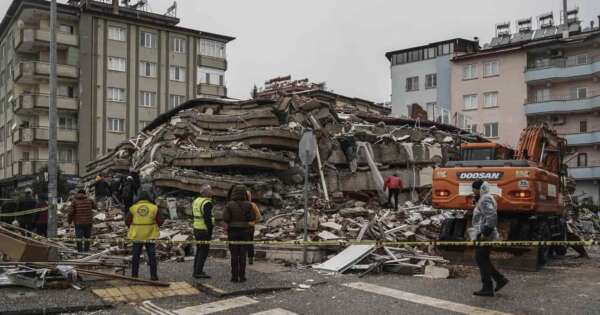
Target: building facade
(421, 75)
(548, 75)
(488, 93)
(119, 66)
(564, 92)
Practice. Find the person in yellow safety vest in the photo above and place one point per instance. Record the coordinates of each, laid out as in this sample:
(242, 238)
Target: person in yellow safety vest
(204, 221)
(144, 221)
(251, 233)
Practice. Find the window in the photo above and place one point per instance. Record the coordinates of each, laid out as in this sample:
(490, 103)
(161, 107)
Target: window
(11, 71)
(412, 84)
(469, 72)
(431, 81)
(490, 68)
(175, 100)
(117, 64)
(116, 94)
(25, 155)
(582, 160)
(147, 40)
(67, 122)
(212, 48)
(430, 108)
(148, 99)
(578, 93)
(117, 33)
(178, 45)
(583, 126)
(116, 124)
(143, 124)
(490, 130)
(490, 99)
(177, 73)
(148, 69)
(211, 76)
(65, 28)
(66, 91)
(577, 60)
(430, 53)
(470, 101)
(542, 95)
(68, 155)
(474, 128)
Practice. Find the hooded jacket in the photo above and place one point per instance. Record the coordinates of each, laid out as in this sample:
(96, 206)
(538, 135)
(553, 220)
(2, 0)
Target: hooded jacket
(81, 210)
(485, 217)
(238, 212)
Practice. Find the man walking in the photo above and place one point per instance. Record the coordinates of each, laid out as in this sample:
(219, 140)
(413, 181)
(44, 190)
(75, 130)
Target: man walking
(144, 222)
(82, 215)
(204, 222)
(485, 220)
(393, 184)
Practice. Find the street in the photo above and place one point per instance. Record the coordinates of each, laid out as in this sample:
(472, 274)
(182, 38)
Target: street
(565, 286)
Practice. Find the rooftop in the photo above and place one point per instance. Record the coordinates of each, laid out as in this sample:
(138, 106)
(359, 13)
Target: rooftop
(105, 7)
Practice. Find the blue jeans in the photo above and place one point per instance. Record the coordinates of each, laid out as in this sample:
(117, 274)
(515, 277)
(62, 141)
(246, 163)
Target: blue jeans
(83, 231)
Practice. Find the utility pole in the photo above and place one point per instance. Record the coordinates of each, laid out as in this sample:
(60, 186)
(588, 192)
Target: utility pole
(565, 14)
(52, 120)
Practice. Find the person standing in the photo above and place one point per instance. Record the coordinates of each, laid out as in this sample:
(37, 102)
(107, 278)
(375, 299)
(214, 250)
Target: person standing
(393, 184)
(82, 215)
(237, 214)
(144, 221)
(102, 193)
(127, 192)
(204, 221)
(41, 218)
(485, 220)
(27, 202)
(258, 215)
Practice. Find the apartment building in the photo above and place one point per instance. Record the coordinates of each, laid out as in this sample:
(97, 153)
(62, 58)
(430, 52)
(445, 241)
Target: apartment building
(563, 90)
(421, 75)
(550, 75)
(119, 66)
(488, 93)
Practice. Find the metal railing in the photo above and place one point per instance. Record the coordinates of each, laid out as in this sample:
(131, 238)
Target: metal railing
(562, 62)
(561, 97)
(590, 163)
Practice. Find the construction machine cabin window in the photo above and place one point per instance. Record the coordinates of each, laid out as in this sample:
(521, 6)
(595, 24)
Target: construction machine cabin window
(477, 154)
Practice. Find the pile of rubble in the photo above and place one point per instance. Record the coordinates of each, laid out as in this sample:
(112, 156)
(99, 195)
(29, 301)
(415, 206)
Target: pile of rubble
(585, 223)
(255, 143)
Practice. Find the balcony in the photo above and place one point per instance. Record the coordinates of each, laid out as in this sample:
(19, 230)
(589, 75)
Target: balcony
(589, 171)
(583, 138)
(211, 89)
(30, 40)
(41, 134)
(562, 104)
(212, 62)
(29, 167)
(32, 72)
(27, 103)
(561, 69)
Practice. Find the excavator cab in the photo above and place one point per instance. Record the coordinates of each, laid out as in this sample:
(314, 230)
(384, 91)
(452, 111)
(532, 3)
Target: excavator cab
(485, 151)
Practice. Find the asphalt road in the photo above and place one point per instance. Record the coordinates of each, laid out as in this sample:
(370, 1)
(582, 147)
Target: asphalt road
(566, 286)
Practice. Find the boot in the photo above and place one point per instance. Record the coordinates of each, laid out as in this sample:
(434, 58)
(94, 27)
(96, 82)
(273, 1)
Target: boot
(201, 275)
(250, 260)
(487, 290)
(501, 283)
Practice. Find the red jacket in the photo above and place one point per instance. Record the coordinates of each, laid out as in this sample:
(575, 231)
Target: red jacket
(393, 182)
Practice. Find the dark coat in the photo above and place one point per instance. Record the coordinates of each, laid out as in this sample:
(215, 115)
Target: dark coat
(238, 212)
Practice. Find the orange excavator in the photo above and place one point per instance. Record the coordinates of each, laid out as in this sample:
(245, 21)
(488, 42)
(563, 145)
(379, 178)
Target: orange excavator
(527, 184)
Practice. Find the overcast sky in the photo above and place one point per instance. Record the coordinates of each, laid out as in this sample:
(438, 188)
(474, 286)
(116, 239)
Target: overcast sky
(343, 42)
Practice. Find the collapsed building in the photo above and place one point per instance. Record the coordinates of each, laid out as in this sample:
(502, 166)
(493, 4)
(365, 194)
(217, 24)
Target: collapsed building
(255, 142)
